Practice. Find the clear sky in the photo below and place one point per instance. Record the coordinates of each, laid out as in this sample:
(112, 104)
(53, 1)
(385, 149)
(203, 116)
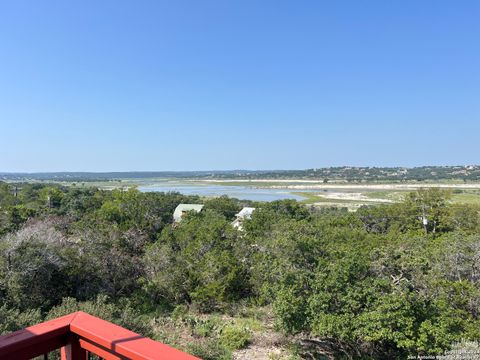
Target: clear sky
(248, 84)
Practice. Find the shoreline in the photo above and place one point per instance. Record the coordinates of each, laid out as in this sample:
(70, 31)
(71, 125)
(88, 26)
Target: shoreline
(316, 185)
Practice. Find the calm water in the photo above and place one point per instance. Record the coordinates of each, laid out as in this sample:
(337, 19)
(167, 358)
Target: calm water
(239, 192)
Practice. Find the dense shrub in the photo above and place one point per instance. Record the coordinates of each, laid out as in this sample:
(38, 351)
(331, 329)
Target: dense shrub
(235, 337)
(209, 350)
(385, 282)
(13, 319)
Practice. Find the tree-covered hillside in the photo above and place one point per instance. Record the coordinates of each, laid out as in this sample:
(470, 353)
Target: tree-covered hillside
(338, 174)
(384, 282)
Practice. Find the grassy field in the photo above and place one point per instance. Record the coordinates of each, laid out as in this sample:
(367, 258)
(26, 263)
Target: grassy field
(459, 196)
(462, 196)
(471, 197)
(319, 200)
(387, 195)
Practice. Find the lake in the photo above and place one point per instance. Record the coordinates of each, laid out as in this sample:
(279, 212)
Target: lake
(208, 190)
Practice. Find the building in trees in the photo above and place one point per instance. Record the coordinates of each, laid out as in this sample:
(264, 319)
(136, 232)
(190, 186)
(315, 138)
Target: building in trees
(245, 213)
(182, 209)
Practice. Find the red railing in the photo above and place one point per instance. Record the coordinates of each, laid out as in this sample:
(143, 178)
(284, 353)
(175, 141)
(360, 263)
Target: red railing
(79, 335)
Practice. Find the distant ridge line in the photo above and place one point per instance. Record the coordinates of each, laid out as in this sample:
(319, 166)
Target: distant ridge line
(344, 173)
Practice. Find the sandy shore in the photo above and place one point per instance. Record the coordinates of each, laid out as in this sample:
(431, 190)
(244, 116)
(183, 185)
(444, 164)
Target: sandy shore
(293, 184)
(377, 186)
(352, 197)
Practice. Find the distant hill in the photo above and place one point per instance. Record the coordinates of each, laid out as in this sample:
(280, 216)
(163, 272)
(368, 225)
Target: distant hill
(343, 173)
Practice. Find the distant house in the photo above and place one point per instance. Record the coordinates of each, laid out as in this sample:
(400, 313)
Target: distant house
(245, 213)
(182, 209)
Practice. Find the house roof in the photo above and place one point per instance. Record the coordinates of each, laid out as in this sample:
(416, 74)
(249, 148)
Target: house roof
(182, 208)
(245, 213)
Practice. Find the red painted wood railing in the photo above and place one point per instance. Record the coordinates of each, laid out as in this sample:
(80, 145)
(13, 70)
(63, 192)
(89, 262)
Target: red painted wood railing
(78, 335)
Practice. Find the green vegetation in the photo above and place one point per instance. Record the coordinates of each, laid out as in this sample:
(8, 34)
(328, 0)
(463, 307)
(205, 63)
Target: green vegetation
(235, 337)
(309, 197)
(466, 197)
(387, 281)
(459, 196)
(386, 195)
(446, 174)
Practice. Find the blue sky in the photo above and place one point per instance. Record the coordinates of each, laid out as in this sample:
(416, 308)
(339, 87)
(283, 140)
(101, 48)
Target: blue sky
(197, 85)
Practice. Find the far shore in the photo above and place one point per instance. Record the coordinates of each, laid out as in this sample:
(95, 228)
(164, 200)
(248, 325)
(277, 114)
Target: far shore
(317, 185)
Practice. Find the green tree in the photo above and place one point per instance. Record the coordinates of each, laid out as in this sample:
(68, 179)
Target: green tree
(196, 262)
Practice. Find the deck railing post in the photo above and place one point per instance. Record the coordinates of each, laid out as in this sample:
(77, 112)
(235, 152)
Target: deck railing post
(73, 351)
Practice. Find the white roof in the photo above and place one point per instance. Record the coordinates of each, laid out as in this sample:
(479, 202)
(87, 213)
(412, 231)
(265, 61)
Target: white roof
(245, 213)
(183, 208)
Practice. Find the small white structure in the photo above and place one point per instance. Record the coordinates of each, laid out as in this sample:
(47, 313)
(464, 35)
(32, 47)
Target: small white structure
(182, 209)
(245, 213)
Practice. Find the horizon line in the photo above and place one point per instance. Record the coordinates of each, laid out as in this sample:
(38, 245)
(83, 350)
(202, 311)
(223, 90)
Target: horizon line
(230, 170)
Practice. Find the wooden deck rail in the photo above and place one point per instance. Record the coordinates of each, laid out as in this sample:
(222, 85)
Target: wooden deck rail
(77, 335)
